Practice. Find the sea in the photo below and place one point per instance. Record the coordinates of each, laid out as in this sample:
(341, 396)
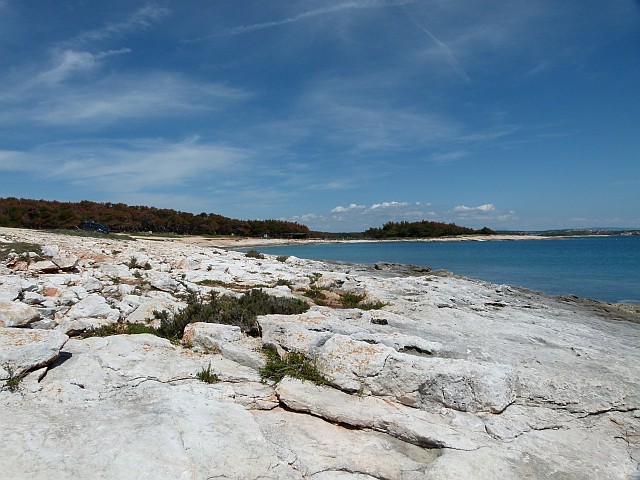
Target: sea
(605, 268)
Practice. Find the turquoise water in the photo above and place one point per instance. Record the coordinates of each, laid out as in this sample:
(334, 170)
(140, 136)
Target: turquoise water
(602, 268)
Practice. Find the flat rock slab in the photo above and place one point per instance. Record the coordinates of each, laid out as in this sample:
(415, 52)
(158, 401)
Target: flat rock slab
(431, 430)
(22, 350)
(320, 449)
(150, 431)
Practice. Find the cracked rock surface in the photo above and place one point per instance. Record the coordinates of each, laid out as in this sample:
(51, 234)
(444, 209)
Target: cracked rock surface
(453, 378)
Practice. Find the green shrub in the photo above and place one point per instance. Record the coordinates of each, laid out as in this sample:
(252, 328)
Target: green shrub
(207, 376)
(118, 329)
(228, 310)
(282, 258)
(355, 300)
(293, 364)
(315, 293)
(377, 305)
(282, 281)
(352, 300)
(254, 254)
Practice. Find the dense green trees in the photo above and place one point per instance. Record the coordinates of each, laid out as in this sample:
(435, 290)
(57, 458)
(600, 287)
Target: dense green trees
(43, 214)
(423, 229)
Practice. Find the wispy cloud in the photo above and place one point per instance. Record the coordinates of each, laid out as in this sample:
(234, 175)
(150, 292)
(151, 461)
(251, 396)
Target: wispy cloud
(308, 14)
(119, 97)
(444, 48)
(342, 116)
(68, 62)
(141, 19)
(130, 166)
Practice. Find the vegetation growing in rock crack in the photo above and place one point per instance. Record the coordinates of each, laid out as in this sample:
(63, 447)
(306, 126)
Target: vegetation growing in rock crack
(293, 364)
(355, 300)
(133, 263)
(13, 382)
(229, 310)
(207, 375)
(254, 254)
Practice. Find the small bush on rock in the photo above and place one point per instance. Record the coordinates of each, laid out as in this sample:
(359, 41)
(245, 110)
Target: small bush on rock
(254, 254)
(355, 300)
(13, 382)
(293, 364)
(207, 375)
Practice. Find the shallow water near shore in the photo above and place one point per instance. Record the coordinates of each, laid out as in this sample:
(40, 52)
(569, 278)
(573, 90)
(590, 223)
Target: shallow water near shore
(601, 268)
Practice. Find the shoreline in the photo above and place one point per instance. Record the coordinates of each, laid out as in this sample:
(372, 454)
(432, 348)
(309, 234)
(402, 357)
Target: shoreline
(248, 242)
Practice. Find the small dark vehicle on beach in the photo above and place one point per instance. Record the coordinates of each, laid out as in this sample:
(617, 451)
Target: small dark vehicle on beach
(91, 226)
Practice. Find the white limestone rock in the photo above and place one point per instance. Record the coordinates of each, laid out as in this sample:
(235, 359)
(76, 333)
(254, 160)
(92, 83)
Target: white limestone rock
(147, 431)
(228, 340)
(320, 449)
(426, 429)
(93, 306)
(43, 266)
(17, 314)
(144, 312)
(22, 349)
(413, 380)
(65, 262)
(163, 281)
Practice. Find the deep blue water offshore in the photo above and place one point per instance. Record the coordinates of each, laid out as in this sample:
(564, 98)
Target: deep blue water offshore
(601, 268)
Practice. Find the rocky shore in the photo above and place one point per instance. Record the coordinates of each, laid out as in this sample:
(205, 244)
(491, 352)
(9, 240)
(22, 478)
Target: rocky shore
(451, 379)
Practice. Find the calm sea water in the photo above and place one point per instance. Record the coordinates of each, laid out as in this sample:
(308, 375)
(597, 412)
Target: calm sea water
(602, 268)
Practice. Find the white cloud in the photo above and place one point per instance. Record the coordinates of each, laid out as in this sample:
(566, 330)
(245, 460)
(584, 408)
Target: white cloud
(489, 207)
(487, 213)
(377, 206)
(353, 206)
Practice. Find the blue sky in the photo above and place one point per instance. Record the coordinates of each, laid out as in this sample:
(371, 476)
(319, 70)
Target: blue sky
(339, 114)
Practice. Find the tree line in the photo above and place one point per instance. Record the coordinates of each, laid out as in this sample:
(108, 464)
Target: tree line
(423, 229)
(119, 217)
